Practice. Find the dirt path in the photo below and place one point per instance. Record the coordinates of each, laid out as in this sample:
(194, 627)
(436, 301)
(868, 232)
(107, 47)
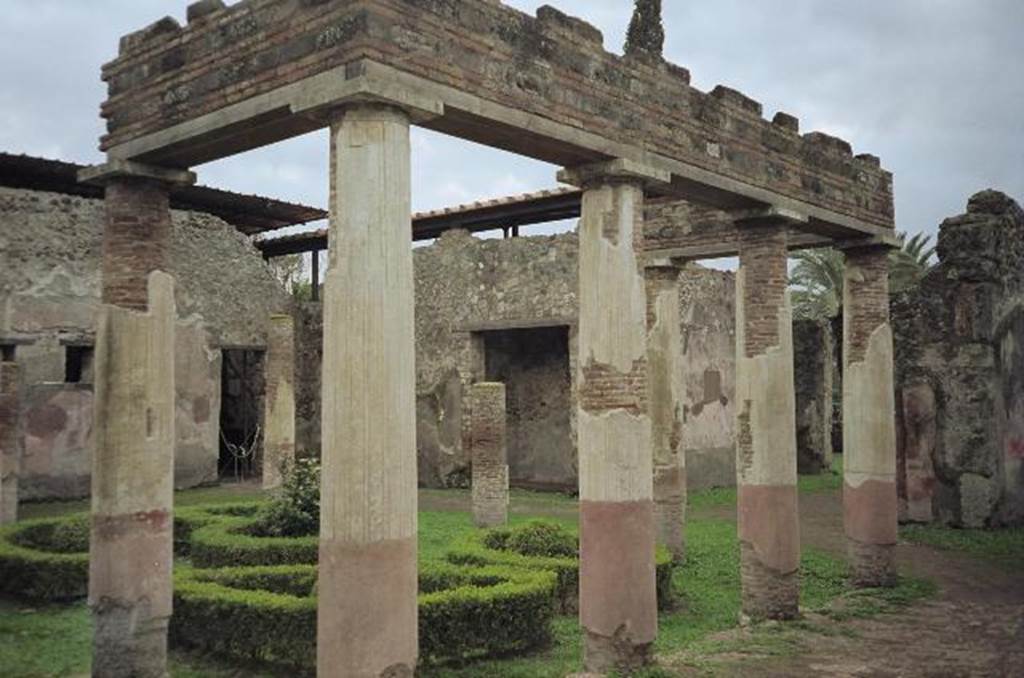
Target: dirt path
(973, 627)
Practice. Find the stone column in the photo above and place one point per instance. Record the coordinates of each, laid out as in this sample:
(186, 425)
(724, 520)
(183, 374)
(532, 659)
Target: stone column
(665, 394)
(869, 424)
(10, 441)
(489, 454)
(279, 404)
(367, 619)
(130, 548)
(618, 605)
(769, 530)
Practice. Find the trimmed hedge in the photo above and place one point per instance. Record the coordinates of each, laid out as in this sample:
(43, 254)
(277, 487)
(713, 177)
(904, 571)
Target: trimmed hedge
(499, 547)
(48, 559)
(229, 542)
(41, 559)
(269, 613)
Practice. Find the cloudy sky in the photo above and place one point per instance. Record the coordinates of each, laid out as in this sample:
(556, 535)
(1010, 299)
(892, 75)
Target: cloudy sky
(934, 87)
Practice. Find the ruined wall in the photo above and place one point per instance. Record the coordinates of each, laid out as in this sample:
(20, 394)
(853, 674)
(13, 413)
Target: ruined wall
(483, 310)
(708, 315)
(960, 373)
(49, 293)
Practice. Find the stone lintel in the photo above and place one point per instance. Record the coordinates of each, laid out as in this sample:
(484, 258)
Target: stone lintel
(881, 241)
(771, 216)
(320, 96)
(114, 168)
(618, 170)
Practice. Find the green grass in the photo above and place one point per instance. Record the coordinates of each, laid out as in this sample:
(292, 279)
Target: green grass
(1004, 546)
(55, 640)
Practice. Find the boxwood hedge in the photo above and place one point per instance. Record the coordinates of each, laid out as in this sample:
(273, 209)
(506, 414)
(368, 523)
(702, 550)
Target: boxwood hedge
(505, 546)
(269, 613)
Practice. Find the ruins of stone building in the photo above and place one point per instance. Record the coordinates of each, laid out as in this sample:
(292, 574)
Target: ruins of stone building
(51, 232)
(625, 130)
(960, 373)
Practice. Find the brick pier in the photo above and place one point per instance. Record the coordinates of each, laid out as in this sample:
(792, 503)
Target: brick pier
(489, 454)
(279, 404)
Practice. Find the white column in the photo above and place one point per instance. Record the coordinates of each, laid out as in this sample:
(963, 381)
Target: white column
(367, 623)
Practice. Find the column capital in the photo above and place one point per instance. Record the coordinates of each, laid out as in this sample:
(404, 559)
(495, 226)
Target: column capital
(104, 173)
(620, 170)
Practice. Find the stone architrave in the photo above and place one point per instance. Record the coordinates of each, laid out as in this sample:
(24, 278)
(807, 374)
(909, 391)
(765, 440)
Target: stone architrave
(131, 542)
(367, 616)
(769, 530)
(870, 505)
(666, 392)
(279, 413)
(618, 604)
(10, 441)
(489, 454)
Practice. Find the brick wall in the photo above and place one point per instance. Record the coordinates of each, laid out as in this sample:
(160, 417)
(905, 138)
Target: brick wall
(763, 260)
(550, 65)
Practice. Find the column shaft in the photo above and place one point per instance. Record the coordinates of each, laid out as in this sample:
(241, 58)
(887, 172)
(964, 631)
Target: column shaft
(869, 427)
(367, 620)
(279, 414)
(618, 607)
(489, 454)
(769, 530)
(10, 441)
(665, 394)
(130, 550)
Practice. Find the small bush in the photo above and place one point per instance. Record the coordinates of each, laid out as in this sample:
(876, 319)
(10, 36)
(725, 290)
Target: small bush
(536, 538)
(269, 613)
(295, 509)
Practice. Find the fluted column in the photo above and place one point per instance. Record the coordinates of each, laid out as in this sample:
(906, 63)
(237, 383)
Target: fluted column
(367, 619)
(870, 504)
(618, 604)
(769, 529)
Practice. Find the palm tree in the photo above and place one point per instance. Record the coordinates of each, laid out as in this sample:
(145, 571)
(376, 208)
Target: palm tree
(816, 279)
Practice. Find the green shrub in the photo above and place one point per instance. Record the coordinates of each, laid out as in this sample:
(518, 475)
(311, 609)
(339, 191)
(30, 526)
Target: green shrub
(230, 541)
(294, 511)
(45, 559)
(269, 613)
(535, 538)
(512, 547)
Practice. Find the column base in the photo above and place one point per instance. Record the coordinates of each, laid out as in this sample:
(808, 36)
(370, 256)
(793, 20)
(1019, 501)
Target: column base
(767, 593)
(127, 643)
(872, 565)
(619, 653)
(367, 616)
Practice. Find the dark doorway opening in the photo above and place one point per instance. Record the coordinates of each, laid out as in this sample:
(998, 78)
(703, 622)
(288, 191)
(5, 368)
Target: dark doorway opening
(534, 366)
(241, 413)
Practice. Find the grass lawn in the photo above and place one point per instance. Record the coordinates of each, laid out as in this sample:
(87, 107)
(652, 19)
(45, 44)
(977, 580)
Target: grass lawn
(54, 640)
(1004, 547)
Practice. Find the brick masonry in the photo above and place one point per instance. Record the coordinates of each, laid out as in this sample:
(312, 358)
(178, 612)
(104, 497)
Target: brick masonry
(136, 239)
(815, 367)
(869, 298)
(489, 454)
(763, 257)
(550, 65)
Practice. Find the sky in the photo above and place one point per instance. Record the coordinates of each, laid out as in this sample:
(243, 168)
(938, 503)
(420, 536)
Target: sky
(933, 87)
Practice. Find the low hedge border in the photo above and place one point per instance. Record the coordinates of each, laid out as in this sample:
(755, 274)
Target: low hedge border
(269, 613)
(226, 542)
(48, 558)
(472, 550)
(31, 569)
